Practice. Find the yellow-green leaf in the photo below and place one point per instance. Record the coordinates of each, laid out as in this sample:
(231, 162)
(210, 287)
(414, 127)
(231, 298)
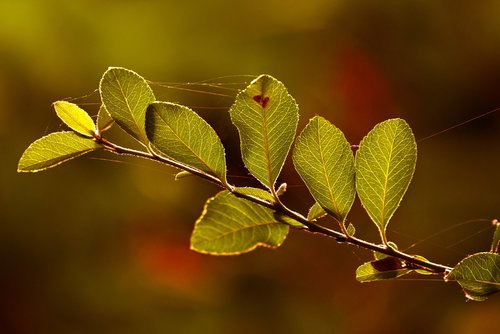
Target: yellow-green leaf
(325, 162)
(478, 274)
(75, 117)
(54, 149)
(385, 162)
(180, 134)
(386, 268)
(316, 212)
(266, 117)
(230, 225)
(104, 120)
(126, 96)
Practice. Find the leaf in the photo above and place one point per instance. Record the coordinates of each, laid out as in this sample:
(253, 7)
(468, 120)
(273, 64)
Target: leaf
(180, 134)
(54, 149)
(351, 230)
(316, 212)
(75, 117)
(387, 268)
(325, 162)
(385, 163)
(126, 96)
(266, 117)
(104, 120)
(478, 274)
(281, 189)
(495, 244)
(256, 192)
(182, 174)
(230, 225)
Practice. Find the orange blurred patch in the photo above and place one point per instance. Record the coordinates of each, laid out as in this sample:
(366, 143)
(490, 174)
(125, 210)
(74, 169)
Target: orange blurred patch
(170, 262)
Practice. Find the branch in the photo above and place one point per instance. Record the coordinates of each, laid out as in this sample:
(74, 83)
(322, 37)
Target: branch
(278, 206)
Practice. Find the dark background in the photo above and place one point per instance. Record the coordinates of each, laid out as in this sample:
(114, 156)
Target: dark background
(103, 247)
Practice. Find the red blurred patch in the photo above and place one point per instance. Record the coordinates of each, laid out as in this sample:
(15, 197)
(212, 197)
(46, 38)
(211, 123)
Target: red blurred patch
(363, 93)
(170, 262)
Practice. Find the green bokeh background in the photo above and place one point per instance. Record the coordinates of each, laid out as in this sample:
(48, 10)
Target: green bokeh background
(103, 247)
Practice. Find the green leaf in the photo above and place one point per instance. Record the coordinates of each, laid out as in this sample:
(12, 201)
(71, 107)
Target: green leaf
(256, 192)
(126, 96)
(316, 212)
(54, 149)
(75, 117)
(351, 230)
(495, 244)
(324, 160)
(266, 117)
(478, 274)
(180, 134)
(182, 174)
(387, 268)
(230, 225)
(385, 163)
(104, 120)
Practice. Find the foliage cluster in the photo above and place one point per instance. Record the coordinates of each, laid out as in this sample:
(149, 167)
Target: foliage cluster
(239, 219)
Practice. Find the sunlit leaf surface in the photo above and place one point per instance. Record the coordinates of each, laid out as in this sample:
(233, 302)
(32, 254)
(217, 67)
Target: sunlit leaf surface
(54, 149)
(324, 160)
(126, 96)
(75, 117)
(478, 274)
(230, 225)
(385, 162)
(179, 133)
(266, 117)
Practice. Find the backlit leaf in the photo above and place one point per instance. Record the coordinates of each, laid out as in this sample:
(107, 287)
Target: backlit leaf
(230, 225)
(180, 134)
(75, 117)
(104, 120)
(54, 149)
(351, 230)
(256, 192)
(126, 96)
(316, 212)
(478, 274)
(385, 162)
(387, 268)
(324, 160)
(266, 117)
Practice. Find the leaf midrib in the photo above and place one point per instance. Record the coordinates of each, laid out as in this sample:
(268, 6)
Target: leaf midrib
(135, 122)
(327, 179)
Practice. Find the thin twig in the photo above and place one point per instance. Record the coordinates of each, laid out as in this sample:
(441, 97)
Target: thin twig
(278, 206)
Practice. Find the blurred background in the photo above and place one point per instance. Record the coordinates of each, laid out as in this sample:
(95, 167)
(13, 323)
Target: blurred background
(102, 246)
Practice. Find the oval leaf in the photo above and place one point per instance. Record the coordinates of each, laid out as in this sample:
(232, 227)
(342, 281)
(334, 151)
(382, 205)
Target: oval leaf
(126, 96)
(325, 162)
(230, 225)
(478, 274)
(75, 117)
(385, 163)
(104, 120)
(180, 134)
(266, 117)
(316, 212)
(54, 149)
(387, 268)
